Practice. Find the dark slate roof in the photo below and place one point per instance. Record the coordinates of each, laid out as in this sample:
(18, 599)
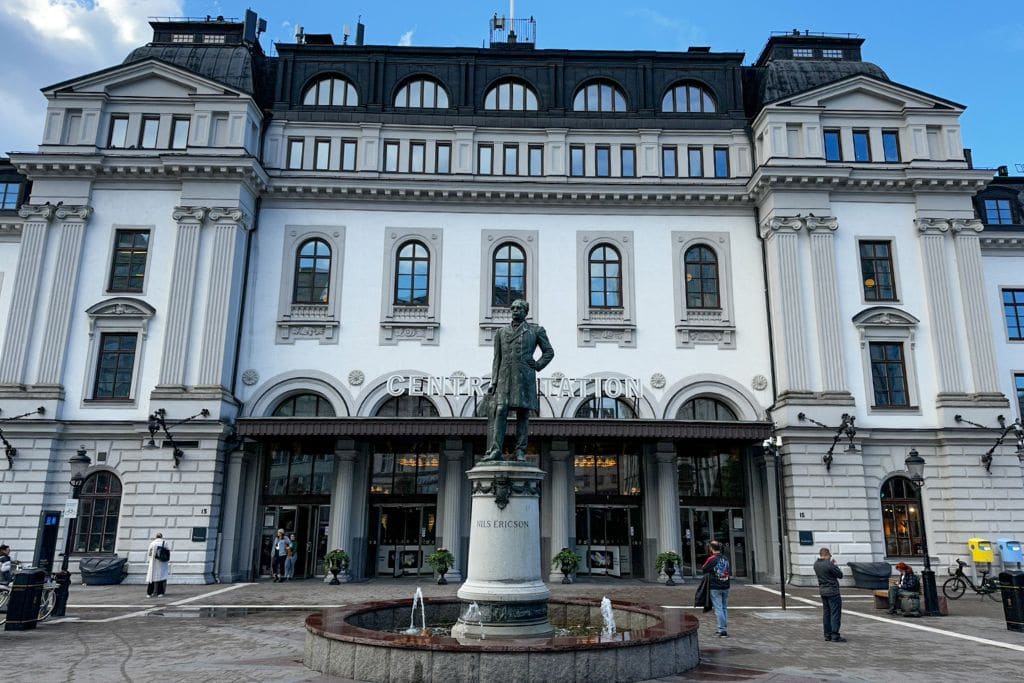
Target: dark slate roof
(228, 64)
(781, 78)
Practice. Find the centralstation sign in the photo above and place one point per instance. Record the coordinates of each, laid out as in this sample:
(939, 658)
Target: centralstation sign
(554, 387)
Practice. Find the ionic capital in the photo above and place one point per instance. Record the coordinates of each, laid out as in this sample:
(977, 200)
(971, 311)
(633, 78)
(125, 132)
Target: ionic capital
(780, 224)
(189, 214)
(72, 212)
(226, 215)
(821, 223)
(37, 212)
(932, 226)
(967, 226)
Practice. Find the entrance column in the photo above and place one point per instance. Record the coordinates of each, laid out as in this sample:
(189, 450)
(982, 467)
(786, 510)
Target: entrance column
(452, 520)
(562, 508)
(669, 534)
(341, 501)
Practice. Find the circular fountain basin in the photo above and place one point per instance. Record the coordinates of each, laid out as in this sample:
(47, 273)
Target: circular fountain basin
(365, 642)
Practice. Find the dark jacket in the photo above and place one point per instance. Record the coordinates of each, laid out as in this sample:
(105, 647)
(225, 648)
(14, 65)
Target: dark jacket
(717, 567)
(910, 583)
(828, 577)
(514, 371)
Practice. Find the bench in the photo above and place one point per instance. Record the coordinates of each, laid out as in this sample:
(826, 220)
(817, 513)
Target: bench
(909, 605)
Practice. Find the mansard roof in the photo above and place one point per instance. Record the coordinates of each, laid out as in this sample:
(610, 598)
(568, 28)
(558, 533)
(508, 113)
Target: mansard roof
(235, 65)
(132, 72)
(879, 88)
(782, 78)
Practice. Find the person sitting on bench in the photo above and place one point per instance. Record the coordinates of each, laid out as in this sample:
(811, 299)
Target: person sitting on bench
(909, 585)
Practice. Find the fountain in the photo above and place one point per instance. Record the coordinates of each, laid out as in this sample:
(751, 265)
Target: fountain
(473, 612)
(412, 630)
(608, 616)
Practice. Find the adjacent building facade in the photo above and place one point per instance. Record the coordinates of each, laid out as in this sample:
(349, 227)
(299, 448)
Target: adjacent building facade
(316, 248)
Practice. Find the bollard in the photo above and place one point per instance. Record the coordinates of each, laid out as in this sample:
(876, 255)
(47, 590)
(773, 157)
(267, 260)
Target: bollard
(60, 594)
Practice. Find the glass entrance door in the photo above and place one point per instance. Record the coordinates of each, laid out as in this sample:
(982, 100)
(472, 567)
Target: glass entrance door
(404, 536)
(609, 537)
(703, 525)
(309, 524)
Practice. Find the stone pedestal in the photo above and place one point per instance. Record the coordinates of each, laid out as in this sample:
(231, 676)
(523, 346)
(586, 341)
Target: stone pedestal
(504, 577)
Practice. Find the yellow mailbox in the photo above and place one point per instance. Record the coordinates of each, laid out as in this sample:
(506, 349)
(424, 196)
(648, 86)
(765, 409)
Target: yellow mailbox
(981, 550)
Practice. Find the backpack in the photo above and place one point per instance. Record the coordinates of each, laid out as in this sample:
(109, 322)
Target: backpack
(722, 569)
(162, 552)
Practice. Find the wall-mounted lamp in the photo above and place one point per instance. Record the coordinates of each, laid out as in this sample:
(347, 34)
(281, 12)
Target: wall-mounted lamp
(10, 451)
(158, 421)
(846, 427)
(1003, 430)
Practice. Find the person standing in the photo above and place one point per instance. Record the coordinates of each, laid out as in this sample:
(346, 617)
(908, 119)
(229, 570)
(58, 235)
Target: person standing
(6, 575)
(289, 561)
(831, 601)
(717, 567)
(158, 571)
(278, 555)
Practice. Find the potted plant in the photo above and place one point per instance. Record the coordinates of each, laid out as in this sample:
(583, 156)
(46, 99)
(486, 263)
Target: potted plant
(567, 561)
(336, 561)
(667, 562)
(441, 561)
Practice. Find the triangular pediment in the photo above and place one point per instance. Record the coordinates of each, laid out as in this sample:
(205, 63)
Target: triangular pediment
(147, 78)
(867, 93)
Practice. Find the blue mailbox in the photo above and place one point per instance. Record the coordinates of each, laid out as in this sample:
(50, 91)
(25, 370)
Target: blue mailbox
(1009, 550)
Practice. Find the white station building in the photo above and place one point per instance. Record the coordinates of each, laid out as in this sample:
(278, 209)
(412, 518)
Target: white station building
(317, 247)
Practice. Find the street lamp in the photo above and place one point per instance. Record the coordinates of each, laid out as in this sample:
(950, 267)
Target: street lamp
(79, 465)
(158, 421)
(847, 427)
(915, 468)
(773, 448)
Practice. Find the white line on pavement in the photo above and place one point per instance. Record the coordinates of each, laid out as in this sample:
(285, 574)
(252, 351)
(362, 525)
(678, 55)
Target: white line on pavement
(919, 627)
(210, 606)
(142, 613)
(731, 607)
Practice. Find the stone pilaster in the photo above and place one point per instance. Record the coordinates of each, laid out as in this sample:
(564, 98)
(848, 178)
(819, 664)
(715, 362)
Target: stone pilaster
(826, 307)
(25, 293)
(226, 223)
(451, 522)
(787, 289)
(341, 502)
(562, 504)
(967, 243)
(669, 533)
(231, 508)
(946, 341)
(179, 302)
(72, 221)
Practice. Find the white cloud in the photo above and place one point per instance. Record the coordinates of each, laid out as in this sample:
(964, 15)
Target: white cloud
(406, 39)
(686, 34)
(48, 41)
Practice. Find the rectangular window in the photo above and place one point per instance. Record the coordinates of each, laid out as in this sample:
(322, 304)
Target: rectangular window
(511, 166)
(182, 38)
(295, 150)
(1018, 382)
(721, 162)
(322, 155)
(391, 156)
(832, 54)
(115, 366)
(891, 145)
(214, 39)
(802, 53)
(861, 146)
(9, 195)
(889, 375)
(876, 271)
(417, 156)
(998, 212)
(179, 132)
(695, 159)
(348, 155)
(669, 167)
(443, 158)
(833, 148)
(485, 159)
(1013, 309)
(118, 137)
(627, 155)
(577, 160)
(148, 132)
(536, 160)
(128, 267)
(603, 160)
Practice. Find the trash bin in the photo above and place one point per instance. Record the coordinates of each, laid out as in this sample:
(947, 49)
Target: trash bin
(26, 594)
(103, 571)
(1011, 584)
(874, 575)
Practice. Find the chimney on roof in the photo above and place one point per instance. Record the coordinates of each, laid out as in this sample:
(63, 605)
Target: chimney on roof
(1003, 171)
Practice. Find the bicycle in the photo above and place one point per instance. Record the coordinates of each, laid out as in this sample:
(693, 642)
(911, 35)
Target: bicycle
(957, 585)
(46, 603)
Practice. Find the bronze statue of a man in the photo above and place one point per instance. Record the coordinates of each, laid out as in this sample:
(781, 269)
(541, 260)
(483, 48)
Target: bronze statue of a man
(514, 379)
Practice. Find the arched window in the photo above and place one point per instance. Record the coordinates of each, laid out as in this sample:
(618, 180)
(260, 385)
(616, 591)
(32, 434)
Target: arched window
(605, 277)
(332, 91)
(606, 408)
(422, 93)
(511, 95)
(312, 273)
(98, 512)
(412, 274)
(304, 405)
(688, 98)
(407, 406)
(701, 278)
(902, 522)
(509, 275)
(706, 409)
(599, 96)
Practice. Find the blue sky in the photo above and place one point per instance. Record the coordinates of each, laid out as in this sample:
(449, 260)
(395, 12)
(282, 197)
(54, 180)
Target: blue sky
(972, 54)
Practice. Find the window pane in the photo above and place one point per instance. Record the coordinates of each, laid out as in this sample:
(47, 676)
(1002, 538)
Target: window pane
(504, 96)
(511, 160)
(179, 134)
(861, 146)
(833, 151)
(417, 152)
(696, 162)
(444, 158)
(628, 162)
(295, 153)
(391, 157)
(150, 127)
(118, 132)
(486, 160)
(668, 162)
(576, 166)
(603, 161)
(348, 155)
(536, 161)
(721, 162)
(891, 145)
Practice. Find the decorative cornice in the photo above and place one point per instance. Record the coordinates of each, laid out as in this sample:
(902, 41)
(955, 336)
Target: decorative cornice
(73, 212)
(767, 178)
(189, 214)
(1002, 243)
(37, 212)
(10, 226)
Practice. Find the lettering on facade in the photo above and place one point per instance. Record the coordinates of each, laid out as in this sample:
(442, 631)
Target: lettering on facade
(503, 523)
(555, 387)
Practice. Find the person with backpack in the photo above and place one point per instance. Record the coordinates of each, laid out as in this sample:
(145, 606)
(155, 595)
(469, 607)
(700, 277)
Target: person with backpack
(717, 566)
(159, 567)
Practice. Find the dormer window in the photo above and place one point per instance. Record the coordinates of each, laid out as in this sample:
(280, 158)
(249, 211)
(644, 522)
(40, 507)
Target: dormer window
(214, 39)
(9, 195)
(832, 54)
(688, 97)
(333, 91)
(511, 95)
(422, 93)
(182, 38)
(802, 53)
(599, 96)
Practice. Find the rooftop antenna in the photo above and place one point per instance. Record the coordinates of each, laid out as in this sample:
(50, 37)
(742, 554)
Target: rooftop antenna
(300, 35)
(345, 31)
(512, 21)
(360, 29)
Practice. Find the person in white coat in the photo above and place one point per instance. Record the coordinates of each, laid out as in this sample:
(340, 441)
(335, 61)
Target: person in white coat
(156, 576)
